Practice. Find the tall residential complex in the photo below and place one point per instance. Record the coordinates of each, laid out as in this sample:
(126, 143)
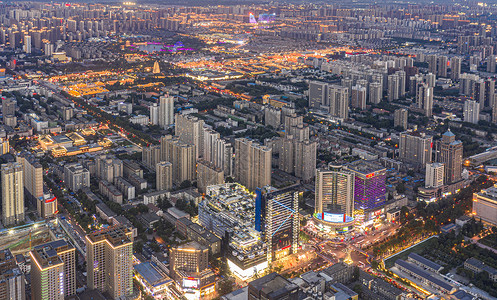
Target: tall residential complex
(449, 151)
(415, 147)
(218, 151)
(190, 130)
(76, 177)
(400, 118)
(277, 216)
(338, 102)
(109, 257)
(182, 157)
(208, 174)
(252, 164)
(434, 175)
(335, 191)
(12, 194)
(12, 281)
(424, 98)
(455, 68)
(164, 176)
(166, 111)
(53, 271)
(108, 167)
(471, 111)
(297, 156)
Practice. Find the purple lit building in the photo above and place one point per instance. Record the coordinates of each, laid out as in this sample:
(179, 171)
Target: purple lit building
(370, 192)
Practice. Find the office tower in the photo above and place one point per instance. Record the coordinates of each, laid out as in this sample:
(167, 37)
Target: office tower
(369, 188)
(432, 63)
(485, 205)
(434, 175)
(471, 111)
(273, 286)
(400, 118)
(442, 66)
(109, 257)
(166, 111)
(164, 176)
(272, 116)
(425, 99)
(393, 87)
(455, 68)
(32, 176)
(189, 266)
(154, 114)
(12, 281)
(338, 101)
(109, 167)
(182, 157)
(252, 164)
(190, 130)
(8, 107)
(27, 44)
(76, 177)
(415, 148)
(334, 191)
(358, 97)
(449, 152)
(491, 63)
(208, 174)
(318, 94)
(276, 215)
(12, 194)
(375, 92)
(53, 271)
(152, 155)
(489, 93)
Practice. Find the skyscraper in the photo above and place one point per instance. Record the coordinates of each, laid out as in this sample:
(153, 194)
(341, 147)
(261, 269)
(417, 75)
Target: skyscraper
(190, 130)
(425, 99)
(434, 175)
(450, 151)
(252, 164)
(12, 279)
(12, 194)
(338, 101)
(375, 92)
(53, 271)
(400, 118)
(393, 87)
(277, 216)
(358, 97)
(154, 114)
(455, 68)
(166, 111)
(335, 191)
(109, 257)
(415, 147)
(164, 176)
(471, 111)
(32, 176)
(442, 66)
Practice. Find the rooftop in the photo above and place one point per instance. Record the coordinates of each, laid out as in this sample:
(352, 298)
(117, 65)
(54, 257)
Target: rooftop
(420, 259)
(152, 274)
(115, 235)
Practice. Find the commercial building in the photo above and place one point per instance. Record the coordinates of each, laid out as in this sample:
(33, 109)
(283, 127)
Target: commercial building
(273, 287)
(369, 189)
(12, 281)
(423, 262)
(252, 164)
(449, 152)
(153, 280)
(277, 216)
(434, 175)
(76, 177)
(12, 194)
(110, 251)
(485, 205)
(53, 271)
(228, 211)
(164, 176)
(416, 148)
(47, 205)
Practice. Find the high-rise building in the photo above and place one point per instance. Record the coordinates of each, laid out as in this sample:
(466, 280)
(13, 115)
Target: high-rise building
(424, 98)
(12, 281)
(318, 94)
(471, 111)
(400, 118)
(27, 44)
(164, 176)
(154, 114)
(12, 194)
(485, 205)
(455, 68)
(76, 177)
(190, 130)
(53, 271)
(489, 93)
(276, 215)
(449, 152)
(109, 167)
(109, 261)
(334, 191)
(432, 63)
(415, 147)
(208, 174)
(338, 101)
(358, 97)
(166, 111)
(8, 107)
(252, 164)
(297, 157)
(218, 151)
(32, 175)
(272, 116)
(369, 188)
(182, 157)
(442, 66)
(393, 87)
(434, 175)
(491, 63)
(375, 92)
(152, 155)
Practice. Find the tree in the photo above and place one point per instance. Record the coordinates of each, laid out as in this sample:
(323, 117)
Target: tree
(401, 188)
